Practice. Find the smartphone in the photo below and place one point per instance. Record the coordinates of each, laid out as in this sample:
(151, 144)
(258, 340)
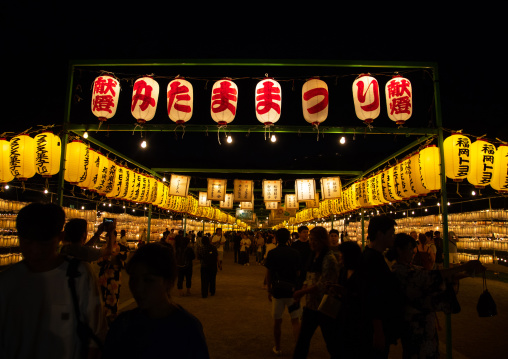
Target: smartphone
(108, 220)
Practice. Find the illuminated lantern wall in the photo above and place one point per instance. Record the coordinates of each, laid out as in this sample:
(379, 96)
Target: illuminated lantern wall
(481, 168)
(268, 101)
(145, 95)
(106, 91)
(315, 101)
(500, 175)
(48, 150)
(456, 155)
(77, 162)
(366, 98)
(22, 159)
(5, 153)
(430, 168)
(224, 102)
(180, 101)
(399, 99)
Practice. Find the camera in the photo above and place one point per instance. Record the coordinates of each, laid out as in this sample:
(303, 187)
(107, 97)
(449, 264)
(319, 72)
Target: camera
(108, 222)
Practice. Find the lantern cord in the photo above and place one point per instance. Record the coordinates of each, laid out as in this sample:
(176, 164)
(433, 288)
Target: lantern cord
(98, 128)
(503, 142)
(458, 189)
(316, 127)
(218, 132)
(135, 127)
(183, 129)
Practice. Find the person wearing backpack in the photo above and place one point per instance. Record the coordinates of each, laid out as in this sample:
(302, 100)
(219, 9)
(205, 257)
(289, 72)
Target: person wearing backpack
(208, 256)
(184, 256)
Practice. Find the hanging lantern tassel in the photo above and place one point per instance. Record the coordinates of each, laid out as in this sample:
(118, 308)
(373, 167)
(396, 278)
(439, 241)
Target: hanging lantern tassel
(268, 125)
(182, 126)
(316, 127)
(46, 184)
(458, 189)
(221, 126)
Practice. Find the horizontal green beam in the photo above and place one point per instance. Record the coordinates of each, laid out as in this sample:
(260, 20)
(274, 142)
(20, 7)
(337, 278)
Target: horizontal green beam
(363, 130)
(250, 170)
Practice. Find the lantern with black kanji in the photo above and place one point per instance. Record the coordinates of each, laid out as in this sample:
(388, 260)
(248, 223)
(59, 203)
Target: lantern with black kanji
(366, 98)
(180, 101)
(224, 102)
(456, 155)
(430, 168)
(399, 99)
(315, 101)
(500, 175)
(22, 159)
(145, 95)
(268, 101)
(5, 152)
(77, 162)
(106, 91)
(481, 168)
(48, 151)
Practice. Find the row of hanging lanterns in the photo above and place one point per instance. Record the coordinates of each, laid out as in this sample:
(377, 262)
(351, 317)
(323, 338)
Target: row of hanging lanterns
(268, 100)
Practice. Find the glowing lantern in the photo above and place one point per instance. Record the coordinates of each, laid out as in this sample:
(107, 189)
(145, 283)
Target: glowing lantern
(48, 150)
(91, 170)
(394, 183)
(152, 190)
(136, 187)
(243, 190)
(203, 200)
(131, 184)
(224, 102)
(99, 179)
(290, 202)
(161, 193)
(313, 203)
(305, 189)
(109, 179)
(77, 162)
(145, 95)
(371, 191)
(5, 152)
(430, 168)
(378, 188)
(180, 101)
(179, 185)
(387, 189)
(22, 159)
(268, 101)
(481, 163)
(247, 205)
(414, 163)
(118, 182)
(366, 98)
(143, 189)
(106, 91)
(228, 201)
(272, 190)
(216, 189)
(500, 175)
(456, 154)
(406, 180)
(331, 187)
(315, 101)
(272, 205)
(399, 99)
(124, 187)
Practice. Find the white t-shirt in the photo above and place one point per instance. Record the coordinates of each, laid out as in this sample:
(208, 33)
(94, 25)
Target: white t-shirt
(218, 241)
(245, 244)
(37, 318)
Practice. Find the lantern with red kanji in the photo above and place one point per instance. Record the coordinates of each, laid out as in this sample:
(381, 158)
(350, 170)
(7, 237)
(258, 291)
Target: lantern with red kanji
(268, 101)
(224, 102)
(106, 91)
(399, 99)
(315, 101)
(366, 98)
(145, 95)
(180, 101)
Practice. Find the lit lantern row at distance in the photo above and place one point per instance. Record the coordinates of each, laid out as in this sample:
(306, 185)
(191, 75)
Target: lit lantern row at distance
(268, 100)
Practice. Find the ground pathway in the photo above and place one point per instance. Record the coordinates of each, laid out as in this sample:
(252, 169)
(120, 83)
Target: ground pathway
(237, 321)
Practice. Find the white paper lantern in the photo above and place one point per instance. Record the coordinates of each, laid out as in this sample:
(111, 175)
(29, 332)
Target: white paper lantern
(399, 99)
(106, 91)
(330, 188)
(268, 101)
(290, 202)
(180, 101)
(228, 201)
(305, 189)
(366, 98)
(145, 95)
(272, 190)
(179, 185)
(224, 102)
(315, 101)
(243, 190)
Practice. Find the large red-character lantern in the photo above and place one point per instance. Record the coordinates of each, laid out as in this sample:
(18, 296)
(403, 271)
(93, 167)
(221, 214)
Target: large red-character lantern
(145, 95)
(180, 100)
(315, 101)
(224, 102)
(366, 98)
(268, 101)
(106, 91)
(399, 99)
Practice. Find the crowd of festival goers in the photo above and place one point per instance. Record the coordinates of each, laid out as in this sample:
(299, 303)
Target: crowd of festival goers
(61, 300)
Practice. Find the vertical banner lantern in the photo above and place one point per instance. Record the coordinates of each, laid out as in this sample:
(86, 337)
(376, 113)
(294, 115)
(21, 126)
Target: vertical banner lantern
(290, 202)
(481, 163)
(272, 205)
(268, 101)
(228, 201)
(305, 189)
(399, 99)
(77, 162)
(315, 101)
(243, 190)
(330, 188)
(406, 180)
(224, 102)
(110, 178)
(22, 159)
(179, 185)
(366, 98)
(272, 190)
(430, 168)
(5, 153)
(456, 156)
(130, 184)
(102, 164)
(500, 175)
(106, 91)
(394, 183)
(247, 205)
(160, 193)
(180, 101)
(216, 189)
(118, 182)
(203, 200)
(91, 170)
(145, 96)
(48, 150)
(414, 163)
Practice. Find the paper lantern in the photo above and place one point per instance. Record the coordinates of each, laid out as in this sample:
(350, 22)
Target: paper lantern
(48, 151)
(228, 201)
(330, 187)
(152, 190)
(481, 163)
(372, 193)
(179, 185)
(268, 101)
(203, 200)
(366, 98)
(406, 180)
(272, 205)
(77, 162)
(118, 182)
(99, 178)
(500, 175)
(161, 193)
(430, 168)
(290, 202)
(394, 183)
(243, 190)
(305, 189)
(247, 205)
(91, 170)
(387, 187)
(106, 91)
(216, 189)
(315, 101)
(131, 184)
(136, 187)
(5, 153)
(313, 203)
(399, 99)
(145, 95)
(456, 155)
(143, 189)
(109, 179)
(272, 190)
(414, 162)
(224, 102)
(378, 188)
(180, 101)
(22, 159)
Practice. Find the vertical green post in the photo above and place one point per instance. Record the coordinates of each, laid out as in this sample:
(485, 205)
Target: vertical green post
(149, 223)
